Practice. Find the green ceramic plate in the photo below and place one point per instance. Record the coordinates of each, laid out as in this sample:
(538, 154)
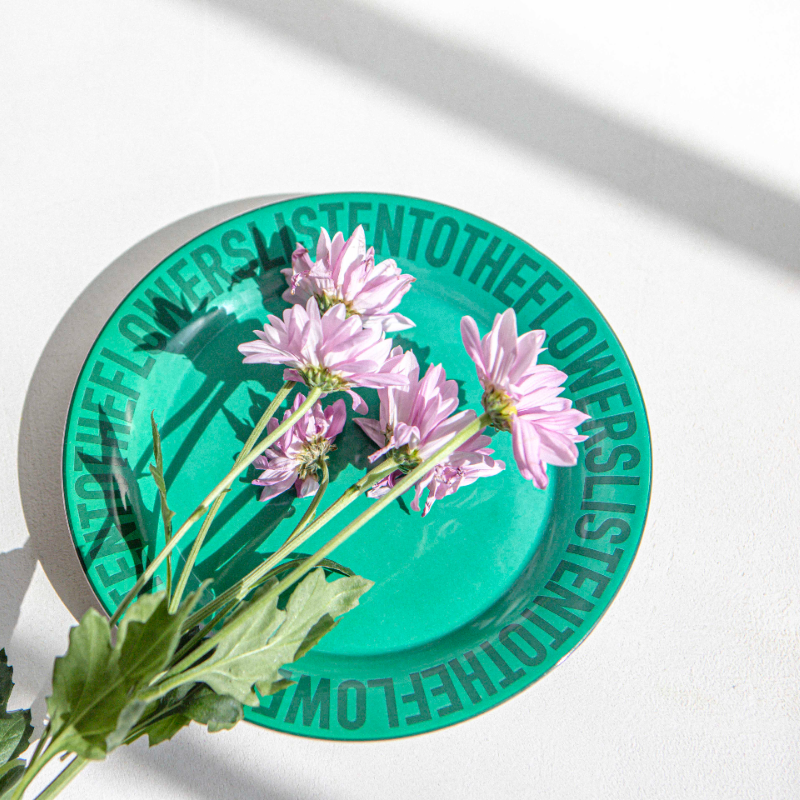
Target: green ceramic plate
(470, 605)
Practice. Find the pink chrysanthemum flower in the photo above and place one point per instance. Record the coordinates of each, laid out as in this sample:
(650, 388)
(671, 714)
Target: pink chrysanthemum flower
(333, 352)
(523, 397)
(296, 457)
(345, 272)
(415, 421)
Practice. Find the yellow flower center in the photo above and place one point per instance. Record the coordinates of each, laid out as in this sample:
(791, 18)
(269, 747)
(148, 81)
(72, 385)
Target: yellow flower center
(323, 378)
(500, 408)
(312, 455)
(325, 302)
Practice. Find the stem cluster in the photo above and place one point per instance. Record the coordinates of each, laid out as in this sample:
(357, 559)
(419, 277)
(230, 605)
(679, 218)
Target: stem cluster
(203, 629)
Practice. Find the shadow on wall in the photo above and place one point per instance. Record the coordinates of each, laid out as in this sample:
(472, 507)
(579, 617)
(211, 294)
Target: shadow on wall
(527, 112)
(16, 571)
(47, 402)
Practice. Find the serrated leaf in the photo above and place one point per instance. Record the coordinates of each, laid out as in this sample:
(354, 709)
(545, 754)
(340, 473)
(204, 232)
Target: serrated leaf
(89, 692)
(260, 639)
(148, 636)
(163, 728)
(156, 442)
(314, 606)
(15, 726)
(93, 706)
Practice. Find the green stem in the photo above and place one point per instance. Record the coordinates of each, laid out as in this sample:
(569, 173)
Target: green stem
(287, 566)
(168, 587)
(221, 487)
(203, 632)
(142, 726)
(280, 396)
(399, 488)
(167, 537)
(63, 778)
(166, 514)
(177, 676)
(40, 743)
(312, 509)
(34, 766)
(325, 563)
(242, 587)
(248, 446)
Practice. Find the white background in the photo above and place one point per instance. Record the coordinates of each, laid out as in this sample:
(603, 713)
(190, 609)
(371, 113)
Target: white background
(650, 150)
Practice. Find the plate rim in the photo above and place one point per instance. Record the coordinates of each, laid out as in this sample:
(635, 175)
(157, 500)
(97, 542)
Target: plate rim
(476, 712)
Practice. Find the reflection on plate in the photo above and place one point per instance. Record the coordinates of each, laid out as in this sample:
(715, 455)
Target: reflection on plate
(470, 605)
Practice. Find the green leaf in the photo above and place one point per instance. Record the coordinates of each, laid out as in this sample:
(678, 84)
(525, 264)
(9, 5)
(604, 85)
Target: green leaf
(323, 625)
(166, 728)
(217, 711)
(10, 773)
(127, 718)
(196, 703)
(15, 726)
(6, 684)
(266, 688)
(89, 691)
(157, 471)
(313, 608)
(15, 734)
(253, 645)
(94, 705)
(148, 636)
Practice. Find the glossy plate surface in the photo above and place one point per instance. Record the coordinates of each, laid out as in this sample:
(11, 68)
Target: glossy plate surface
(470, 605)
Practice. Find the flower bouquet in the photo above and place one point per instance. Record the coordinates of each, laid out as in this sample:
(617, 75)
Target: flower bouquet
(175, 653)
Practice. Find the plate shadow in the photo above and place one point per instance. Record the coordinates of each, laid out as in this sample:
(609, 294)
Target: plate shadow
(49, 393)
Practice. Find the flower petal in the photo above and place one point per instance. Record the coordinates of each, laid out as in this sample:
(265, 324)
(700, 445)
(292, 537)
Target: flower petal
(527, 447)
(472, 343)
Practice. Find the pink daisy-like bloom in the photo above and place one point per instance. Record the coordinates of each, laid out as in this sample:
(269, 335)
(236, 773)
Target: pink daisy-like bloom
(415, 421)
(345, 272)
(332, 352)
(296, 457)
(523, 397)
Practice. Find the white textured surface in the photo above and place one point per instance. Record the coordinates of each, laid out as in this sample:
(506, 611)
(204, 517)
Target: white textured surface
(119, 118)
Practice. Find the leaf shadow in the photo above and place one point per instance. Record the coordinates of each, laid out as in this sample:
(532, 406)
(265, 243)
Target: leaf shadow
(127, 519)
(200, 341)
(49, 395)
(238, 554)
(16, 572)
